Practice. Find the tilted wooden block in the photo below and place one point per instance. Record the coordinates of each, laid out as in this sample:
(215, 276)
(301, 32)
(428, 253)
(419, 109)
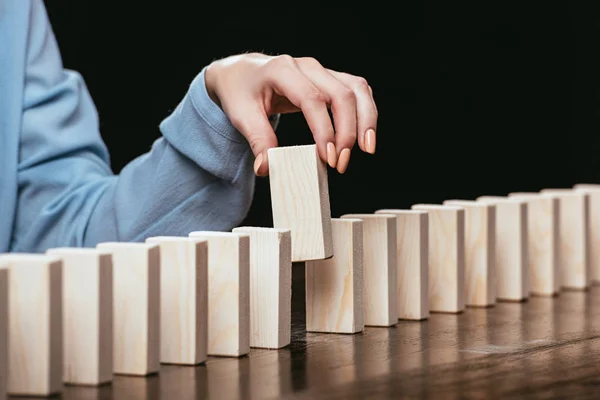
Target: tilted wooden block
(3, 329)
(270, 286)
(183, 299)
(87, 287)
(512, 265)
(480, 257)
(593, 190)
(35, 353)
(574, 237)
(380, 295)
(543, 241)
(334, 287)
(412, 255)
(136, 296)
(446, 257)
(228, 292)
(300, 200)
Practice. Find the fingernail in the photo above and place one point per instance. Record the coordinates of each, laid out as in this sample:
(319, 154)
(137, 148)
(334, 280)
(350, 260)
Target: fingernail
(331, 156)
(258, 163)
(343, 161)
(370, 141)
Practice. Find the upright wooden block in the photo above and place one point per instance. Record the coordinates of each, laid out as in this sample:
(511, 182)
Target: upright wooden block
(446, 257)
(412, 255)
(480, 256)
(87, 288)
(512, 265)
(270, 286)
(3, 329)
(573, 237)
(183, 299)
(543, 241)
(300, 200)
(334, 287)
(228, 292)
(379, 268)
(593, 190)
(35, 353)
(136, 312)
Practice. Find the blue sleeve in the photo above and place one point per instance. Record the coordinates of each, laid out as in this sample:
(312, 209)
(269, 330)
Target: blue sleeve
(197, 176)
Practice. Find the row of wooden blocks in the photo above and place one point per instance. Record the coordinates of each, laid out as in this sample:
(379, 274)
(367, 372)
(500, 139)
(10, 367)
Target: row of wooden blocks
(79, 316)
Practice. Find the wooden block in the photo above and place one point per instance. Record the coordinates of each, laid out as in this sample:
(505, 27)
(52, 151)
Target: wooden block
(379, 269)
(512, 261)
(136, 314)
(334, 287)
(270, 286)
(543, 240)
(228, 292)
(574, 234)
(593, 190)
(183, 299)
(480, 257)
(35, 353)
(3, 329)
(300, 200)
(446, 257)
(412, 255)
(87, 289)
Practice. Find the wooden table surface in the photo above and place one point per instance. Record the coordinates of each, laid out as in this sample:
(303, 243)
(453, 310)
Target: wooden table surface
(545, 348)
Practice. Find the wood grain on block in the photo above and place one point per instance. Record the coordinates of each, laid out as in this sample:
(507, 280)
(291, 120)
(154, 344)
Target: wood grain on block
(543, 240)
(480, 257)
(183, 299)
(593, 190)
(136, 311)
(3, 330)
(379, 268)
(270, 286)
(446, 257)
(228, 292)
(87, 289)
(35, 352)
(574, 236)
(512, 265)
(334, 287)
(412, 255)
(300, 200)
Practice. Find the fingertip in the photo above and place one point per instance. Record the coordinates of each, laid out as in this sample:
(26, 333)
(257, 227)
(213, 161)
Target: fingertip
(361, 141)
(331, 155)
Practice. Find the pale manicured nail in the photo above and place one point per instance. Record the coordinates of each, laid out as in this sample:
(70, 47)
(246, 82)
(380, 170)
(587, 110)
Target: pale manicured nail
(343, 161)
(258, 163)
(370, 141)
(331, 155)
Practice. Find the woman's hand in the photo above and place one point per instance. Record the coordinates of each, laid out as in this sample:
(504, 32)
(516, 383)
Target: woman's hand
(251, 87)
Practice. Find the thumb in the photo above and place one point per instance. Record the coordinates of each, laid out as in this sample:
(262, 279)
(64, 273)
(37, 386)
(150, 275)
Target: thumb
(254, 125)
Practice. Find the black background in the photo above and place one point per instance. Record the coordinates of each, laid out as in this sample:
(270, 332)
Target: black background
(473, 98)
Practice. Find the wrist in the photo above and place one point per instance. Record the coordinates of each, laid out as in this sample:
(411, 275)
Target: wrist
(210, 82)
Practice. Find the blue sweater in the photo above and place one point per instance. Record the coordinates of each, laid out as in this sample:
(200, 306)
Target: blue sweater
(56, 184)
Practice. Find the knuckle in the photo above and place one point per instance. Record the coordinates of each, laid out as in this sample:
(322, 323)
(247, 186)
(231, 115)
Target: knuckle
(347, 95)
(284, 60)
(361, 83)
(314, 96)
